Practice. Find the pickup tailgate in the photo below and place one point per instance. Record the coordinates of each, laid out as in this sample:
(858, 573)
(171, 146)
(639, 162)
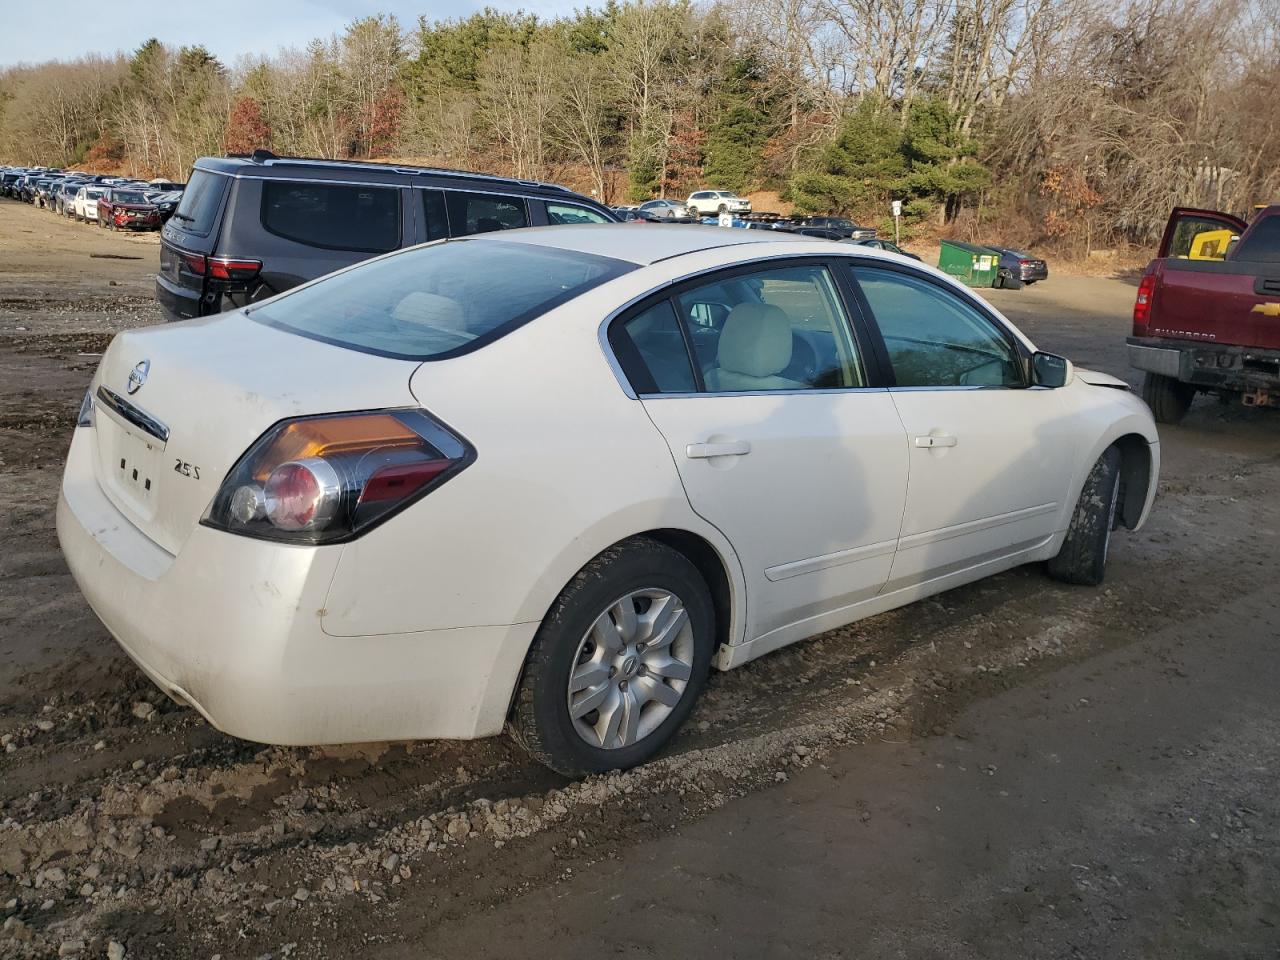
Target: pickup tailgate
(1233, 303)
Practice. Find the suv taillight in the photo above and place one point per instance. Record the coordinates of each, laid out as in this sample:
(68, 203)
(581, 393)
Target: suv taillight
(1142, 304)
(328, 479)
(222, 268)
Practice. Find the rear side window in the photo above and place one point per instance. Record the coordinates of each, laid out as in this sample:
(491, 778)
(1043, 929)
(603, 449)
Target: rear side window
(200, 202)
(561, 213)
(334, 216)
(428, 303)
(651, 348)
(484, 212)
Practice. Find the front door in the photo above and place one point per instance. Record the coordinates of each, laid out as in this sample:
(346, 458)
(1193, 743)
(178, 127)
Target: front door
(777, 441)
(991, 457)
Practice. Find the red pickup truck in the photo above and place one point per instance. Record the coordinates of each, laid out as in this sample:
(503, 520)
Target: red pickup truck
(1207, 315)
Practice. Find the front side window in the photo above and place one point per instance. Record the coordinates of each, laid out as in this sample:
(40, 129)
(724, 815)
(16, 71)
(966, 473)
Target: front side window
(483, 213)
(934, 338)
(432, 302)
(565, 213)
(776, 329)
(334, 216)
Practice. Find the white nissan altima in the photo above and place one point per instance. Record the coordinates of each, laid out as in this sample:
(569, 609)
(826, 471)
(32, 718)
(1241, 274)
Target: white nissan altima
(549, 478)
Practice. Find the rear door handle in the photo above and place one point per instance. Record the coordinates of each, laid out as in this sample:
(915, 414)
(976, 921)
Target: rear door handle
(723, 448)
(930, 441)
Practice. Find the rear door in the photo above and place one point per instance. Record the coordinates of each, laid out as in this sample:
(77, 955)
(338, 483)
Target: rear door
(778, 438)
(990, 457)
(1193, 234)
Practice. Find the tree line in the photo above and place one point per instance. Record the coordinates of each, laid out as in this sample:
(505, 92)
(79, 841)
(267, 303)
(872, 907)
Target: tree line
(1084, 120)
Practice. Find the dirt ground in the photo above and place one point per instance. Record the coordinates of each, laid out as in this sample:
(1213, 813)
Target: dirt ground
(1015, 768)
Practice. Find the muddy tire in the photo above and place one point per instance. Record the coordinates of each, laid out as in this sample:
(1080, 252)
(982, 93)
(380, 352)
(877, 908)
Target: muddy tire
(1168, 398)
(618, 662)
(1083, 557)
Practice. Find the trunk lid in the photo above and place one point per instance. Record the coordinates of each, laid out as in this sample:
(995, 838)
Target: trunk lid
(208, 389)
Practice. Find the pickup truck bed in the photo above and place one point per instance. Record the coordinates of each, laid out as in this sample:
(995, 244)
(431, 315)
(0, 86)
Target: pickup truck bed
(1205, 323)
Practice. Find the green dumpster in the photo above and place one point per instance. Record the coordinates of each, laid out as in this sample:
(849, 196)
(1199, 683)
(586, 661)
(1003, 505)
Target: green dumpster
(970, 264)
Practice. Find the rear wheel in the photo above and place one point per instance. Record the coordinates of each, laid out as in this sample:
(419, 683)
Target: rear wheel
(618, 662)
(1169, 399)
(1083, 557)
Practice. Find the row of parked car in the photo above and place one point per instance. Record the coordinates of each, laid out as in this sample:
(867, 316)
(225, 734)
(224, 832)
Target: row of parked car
(708, 206)
(115, 203)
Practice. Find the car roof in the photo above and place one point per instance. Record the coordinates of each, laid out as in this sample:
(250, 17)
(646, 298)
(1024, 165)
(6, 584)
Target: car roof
(641, 244)
(270, 167)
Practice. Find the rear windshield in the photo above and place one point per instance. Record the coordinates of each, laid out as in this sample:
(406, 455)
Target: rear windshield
(1262, 243)
(200, 202)
(438, 301)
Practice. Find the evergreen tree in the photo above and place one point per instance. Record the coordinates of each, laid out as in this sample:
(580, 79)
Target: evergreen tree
(740, 127)
(863, 162)
(941, 157)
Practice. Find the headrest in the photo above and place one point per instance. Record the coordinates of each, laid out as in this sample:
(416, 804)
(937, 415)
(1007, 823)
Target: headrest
(430, 309)
(756, 340)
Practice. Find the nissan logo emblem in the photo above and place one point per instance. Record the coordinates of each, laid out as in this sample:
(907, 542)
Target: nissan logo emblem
(138, 376)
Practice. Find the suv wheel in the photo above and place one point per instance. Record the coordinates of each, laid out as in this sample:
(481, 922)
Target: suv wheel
(1169, 399)
(618, 662)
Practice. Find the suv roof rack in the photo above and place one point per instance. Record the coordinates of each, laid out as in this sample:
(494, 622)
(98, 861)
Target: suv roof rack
(267, 158)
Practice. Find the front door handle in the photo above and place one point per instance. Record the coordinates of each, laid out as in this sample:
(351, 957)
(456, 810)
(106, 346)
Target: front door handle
(929, 441)
(722, 448)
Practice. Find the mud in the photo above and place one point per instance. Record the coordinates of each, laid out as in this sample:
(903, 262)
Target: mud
(126, 818)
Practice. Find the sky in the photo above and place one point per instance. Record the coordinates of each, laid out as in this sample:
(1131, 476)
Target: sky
(228, 28)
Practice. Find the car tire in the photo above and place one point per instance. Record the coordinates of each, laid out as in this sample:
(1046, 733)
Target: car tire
(1083, 557)
(1169, 399)
(722, 208)
(576, 642)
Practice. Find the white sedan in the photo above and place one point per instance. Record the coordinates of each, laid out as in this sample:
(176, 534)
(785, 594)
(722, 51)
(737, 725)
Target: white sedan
(551, 477)
(85, 205)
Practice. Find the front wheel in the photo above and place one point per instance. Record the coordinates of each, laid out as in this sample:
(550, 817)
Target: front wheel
(1169, 399)
(618, 662)
(1083, 557)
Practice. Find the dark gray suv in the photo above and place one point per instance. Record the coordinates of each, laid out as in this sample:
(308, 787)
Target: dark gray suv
(251, 227)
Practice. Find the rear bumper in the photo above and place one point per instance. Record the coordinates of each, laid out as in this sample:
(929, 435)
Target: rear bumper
(233, 627)
(1033, 273)
(1212, 366)
(182, 303)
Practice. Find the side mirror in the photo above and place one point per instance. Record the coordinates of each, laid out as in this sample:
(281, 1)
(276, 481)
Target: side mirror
(1050, 370)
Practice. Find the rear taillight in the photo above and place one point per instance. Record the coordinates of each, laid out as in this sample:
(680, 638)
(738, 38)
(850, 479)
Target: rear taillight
(221, 268)
(328, 479)
(1142, 305)
(1024, 263)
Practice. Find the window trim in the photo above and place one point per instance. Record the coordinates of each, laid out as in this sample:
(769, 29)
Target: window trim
(1020, 351)
(671, 289)
(399, 231)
